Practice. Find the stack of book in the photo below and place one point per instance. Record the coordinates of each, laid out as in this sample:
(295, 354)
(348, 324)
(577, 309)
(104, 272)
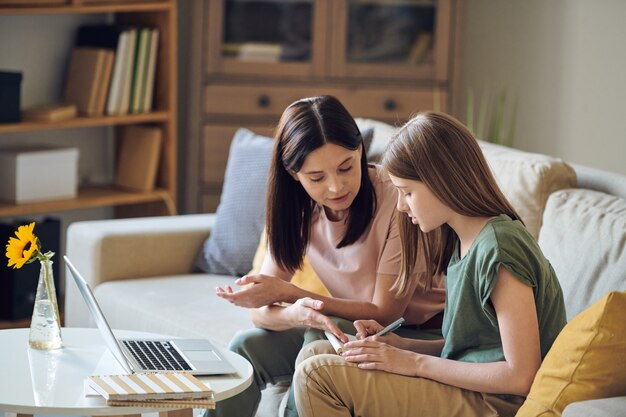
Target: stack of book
(156, 389)
(112, 70)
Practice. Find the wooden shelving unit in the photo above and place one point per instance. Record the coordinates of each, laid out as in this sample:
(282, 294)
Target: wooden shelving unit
(153, 13)
(161, 14)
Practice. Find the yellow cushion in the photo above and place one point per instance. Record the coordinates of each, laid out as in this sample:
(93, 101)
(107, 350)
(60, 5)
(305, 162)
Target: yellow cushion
(587, 360)
(304, 278)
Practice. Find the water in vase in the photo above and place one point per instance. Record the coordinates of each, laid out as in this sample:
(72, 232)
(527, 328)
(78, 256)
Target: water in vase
(45, 331)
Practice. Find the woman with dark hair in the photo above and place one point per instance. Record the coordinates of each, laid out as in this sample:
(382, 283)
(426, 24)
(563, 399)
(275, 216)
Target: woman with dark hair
(327, 203)
(504, 305)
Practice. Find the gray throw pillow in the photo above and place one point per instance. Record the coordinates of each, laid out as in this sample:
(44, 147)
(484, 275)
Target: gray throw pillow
(240, 216)
(368, 135)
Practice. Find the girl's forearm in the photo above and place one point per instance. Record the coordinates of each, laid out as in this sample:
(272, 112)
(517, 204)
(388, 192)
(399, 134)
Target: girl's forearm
(491, 377)
(425, 347)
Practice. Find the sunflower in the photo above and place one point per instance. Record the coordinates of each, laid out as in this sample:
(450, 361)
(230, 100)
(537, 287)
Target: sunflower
(24, 248)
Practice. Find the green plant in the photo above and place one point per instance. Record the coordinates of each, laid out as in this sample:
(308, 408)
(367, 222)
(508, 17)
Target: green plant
(493, 124)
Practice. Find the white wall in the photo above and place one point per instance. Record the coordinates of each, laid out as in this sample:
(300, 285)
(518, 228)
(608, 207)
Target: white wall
(566, 61)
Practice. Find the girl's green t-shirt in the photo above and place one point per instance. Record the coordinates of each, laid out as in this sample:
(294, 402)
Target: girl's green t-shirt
(470, 325)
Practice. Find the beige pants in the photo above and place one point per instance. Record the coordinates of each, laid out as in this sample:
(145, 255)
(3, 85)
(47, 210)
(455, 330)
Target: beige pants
(327, 386)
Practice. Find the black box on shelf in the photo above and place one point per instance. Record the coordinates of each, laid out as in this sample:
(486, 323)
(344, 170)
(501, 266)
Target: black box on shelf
(19, 286)
(10, 83)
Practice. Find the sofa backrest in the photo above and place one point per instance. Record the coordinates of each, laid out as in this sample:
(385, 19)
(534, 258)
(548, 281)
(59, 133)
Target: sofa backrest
(599, 180)
(527, 180)
(584, 237)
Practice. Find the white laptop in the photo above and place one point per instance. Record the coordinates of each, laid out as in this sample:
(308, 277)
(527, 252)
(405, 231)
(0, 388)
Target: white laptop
(197, 356)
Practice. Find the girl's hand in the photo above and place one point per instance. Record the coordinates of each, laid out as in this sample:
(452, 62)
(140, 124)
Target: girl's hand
(259, 290)
(365, 328)
(373, 354)
(305, 312)
(368, 329)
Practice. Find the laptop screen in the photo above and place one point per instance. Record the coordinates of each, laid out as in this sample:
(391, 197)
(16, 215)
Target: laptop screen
(97, 315)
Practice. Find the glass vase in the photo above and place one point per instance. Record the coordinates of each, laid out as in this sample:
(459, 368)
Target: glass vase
(45, 326)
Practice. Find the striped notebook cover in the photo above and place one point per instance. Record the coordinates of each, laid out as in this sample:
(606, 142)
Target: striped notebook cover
(197, 403)
(150, 386)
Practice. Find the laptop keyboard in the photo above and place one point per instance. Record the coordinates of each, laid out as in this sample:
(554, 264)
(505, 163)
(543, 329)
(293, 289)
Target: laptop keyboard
(156, 355)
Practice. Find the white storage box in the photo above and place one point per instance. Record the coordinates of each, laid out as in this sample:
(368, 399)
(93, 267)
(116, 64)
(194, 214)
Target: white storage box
(38, 173)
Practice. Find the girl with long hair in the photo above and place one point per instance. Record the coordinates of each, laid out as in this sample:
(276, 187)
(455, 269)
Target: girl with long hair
(504, 305)
(327, 203)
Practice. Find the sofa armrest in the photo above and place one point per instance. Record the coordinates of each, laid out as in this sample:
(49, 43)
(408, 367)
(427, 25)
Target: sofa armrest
(106, 250)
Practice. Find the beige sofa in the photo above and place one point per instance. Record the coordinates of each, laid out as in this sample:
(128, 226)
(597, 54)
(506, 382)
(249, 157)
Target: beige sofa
(141, 269)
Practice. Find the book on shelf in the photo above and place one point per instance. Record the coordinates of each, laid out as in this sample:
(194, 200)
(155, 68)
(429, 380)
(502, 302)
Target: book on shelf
(117, 39)
(147, 90)
(259, 51)
(105, 80)
(152, 389)
(130, 84)
(139, 148)
(141, 51)
(126, 80)
(88, 73)
(49, 113)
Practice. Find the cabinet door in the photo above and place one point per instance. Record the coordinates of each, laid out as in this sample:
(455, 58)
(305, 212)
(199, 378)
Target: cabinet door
(267, 37)
(403, 39)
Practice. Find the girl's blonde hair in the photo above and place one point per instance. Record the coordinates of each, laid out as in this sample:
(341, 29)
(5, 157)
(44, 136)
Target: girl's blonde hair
(439, 151)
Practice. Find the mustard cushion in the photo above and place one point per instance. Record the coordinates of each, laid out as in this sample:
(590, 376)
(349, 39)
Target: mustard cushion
(587, 360)
(305, 278)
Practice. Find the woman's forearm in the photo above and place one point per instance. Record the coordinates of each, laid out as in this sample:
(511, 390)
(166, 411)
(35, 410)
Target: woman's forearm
(273, 317)
(358, 310)
(348, 309)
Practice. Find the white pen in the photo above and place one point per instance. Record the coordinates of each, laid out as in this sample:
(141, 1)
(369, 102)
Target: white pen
(393, 326)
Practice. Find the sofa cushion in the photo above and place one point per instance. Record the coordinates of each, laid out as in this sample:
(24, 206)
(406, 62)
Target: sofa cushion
(241, 213)
(605, 407)
(527, 180)
(381, 132)
(584, 237)
(184, 305)
(587, 360)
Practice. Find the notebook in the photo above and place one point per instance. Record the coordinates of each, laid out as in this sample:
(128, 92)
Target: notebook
(196, 356)
(336, 343)
(150, 386)
(152, 389)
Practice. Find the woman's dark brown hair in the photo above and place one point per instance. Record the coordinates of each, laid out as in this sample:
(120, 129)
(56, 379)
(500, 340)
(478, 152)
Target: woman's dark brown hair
(439, 151)
(305, 126)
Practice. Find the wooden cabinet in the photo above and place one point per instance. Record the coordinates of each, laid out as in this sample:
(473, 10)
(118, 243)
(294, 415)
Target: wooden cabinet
(159, 14)
(384, 59)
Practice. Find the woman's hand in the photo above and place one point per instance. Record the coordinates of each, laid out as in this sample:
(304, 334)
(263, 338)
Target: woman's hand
(259, 290)
(374, 354)
(305, 313)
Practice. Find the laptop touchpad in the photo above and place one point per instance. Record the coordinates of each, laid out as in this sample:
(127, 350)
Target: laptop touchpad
(201, 355)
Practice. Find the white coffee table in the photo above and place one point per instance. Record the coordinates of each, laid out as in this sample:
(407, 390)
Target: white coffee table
(51, 382)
